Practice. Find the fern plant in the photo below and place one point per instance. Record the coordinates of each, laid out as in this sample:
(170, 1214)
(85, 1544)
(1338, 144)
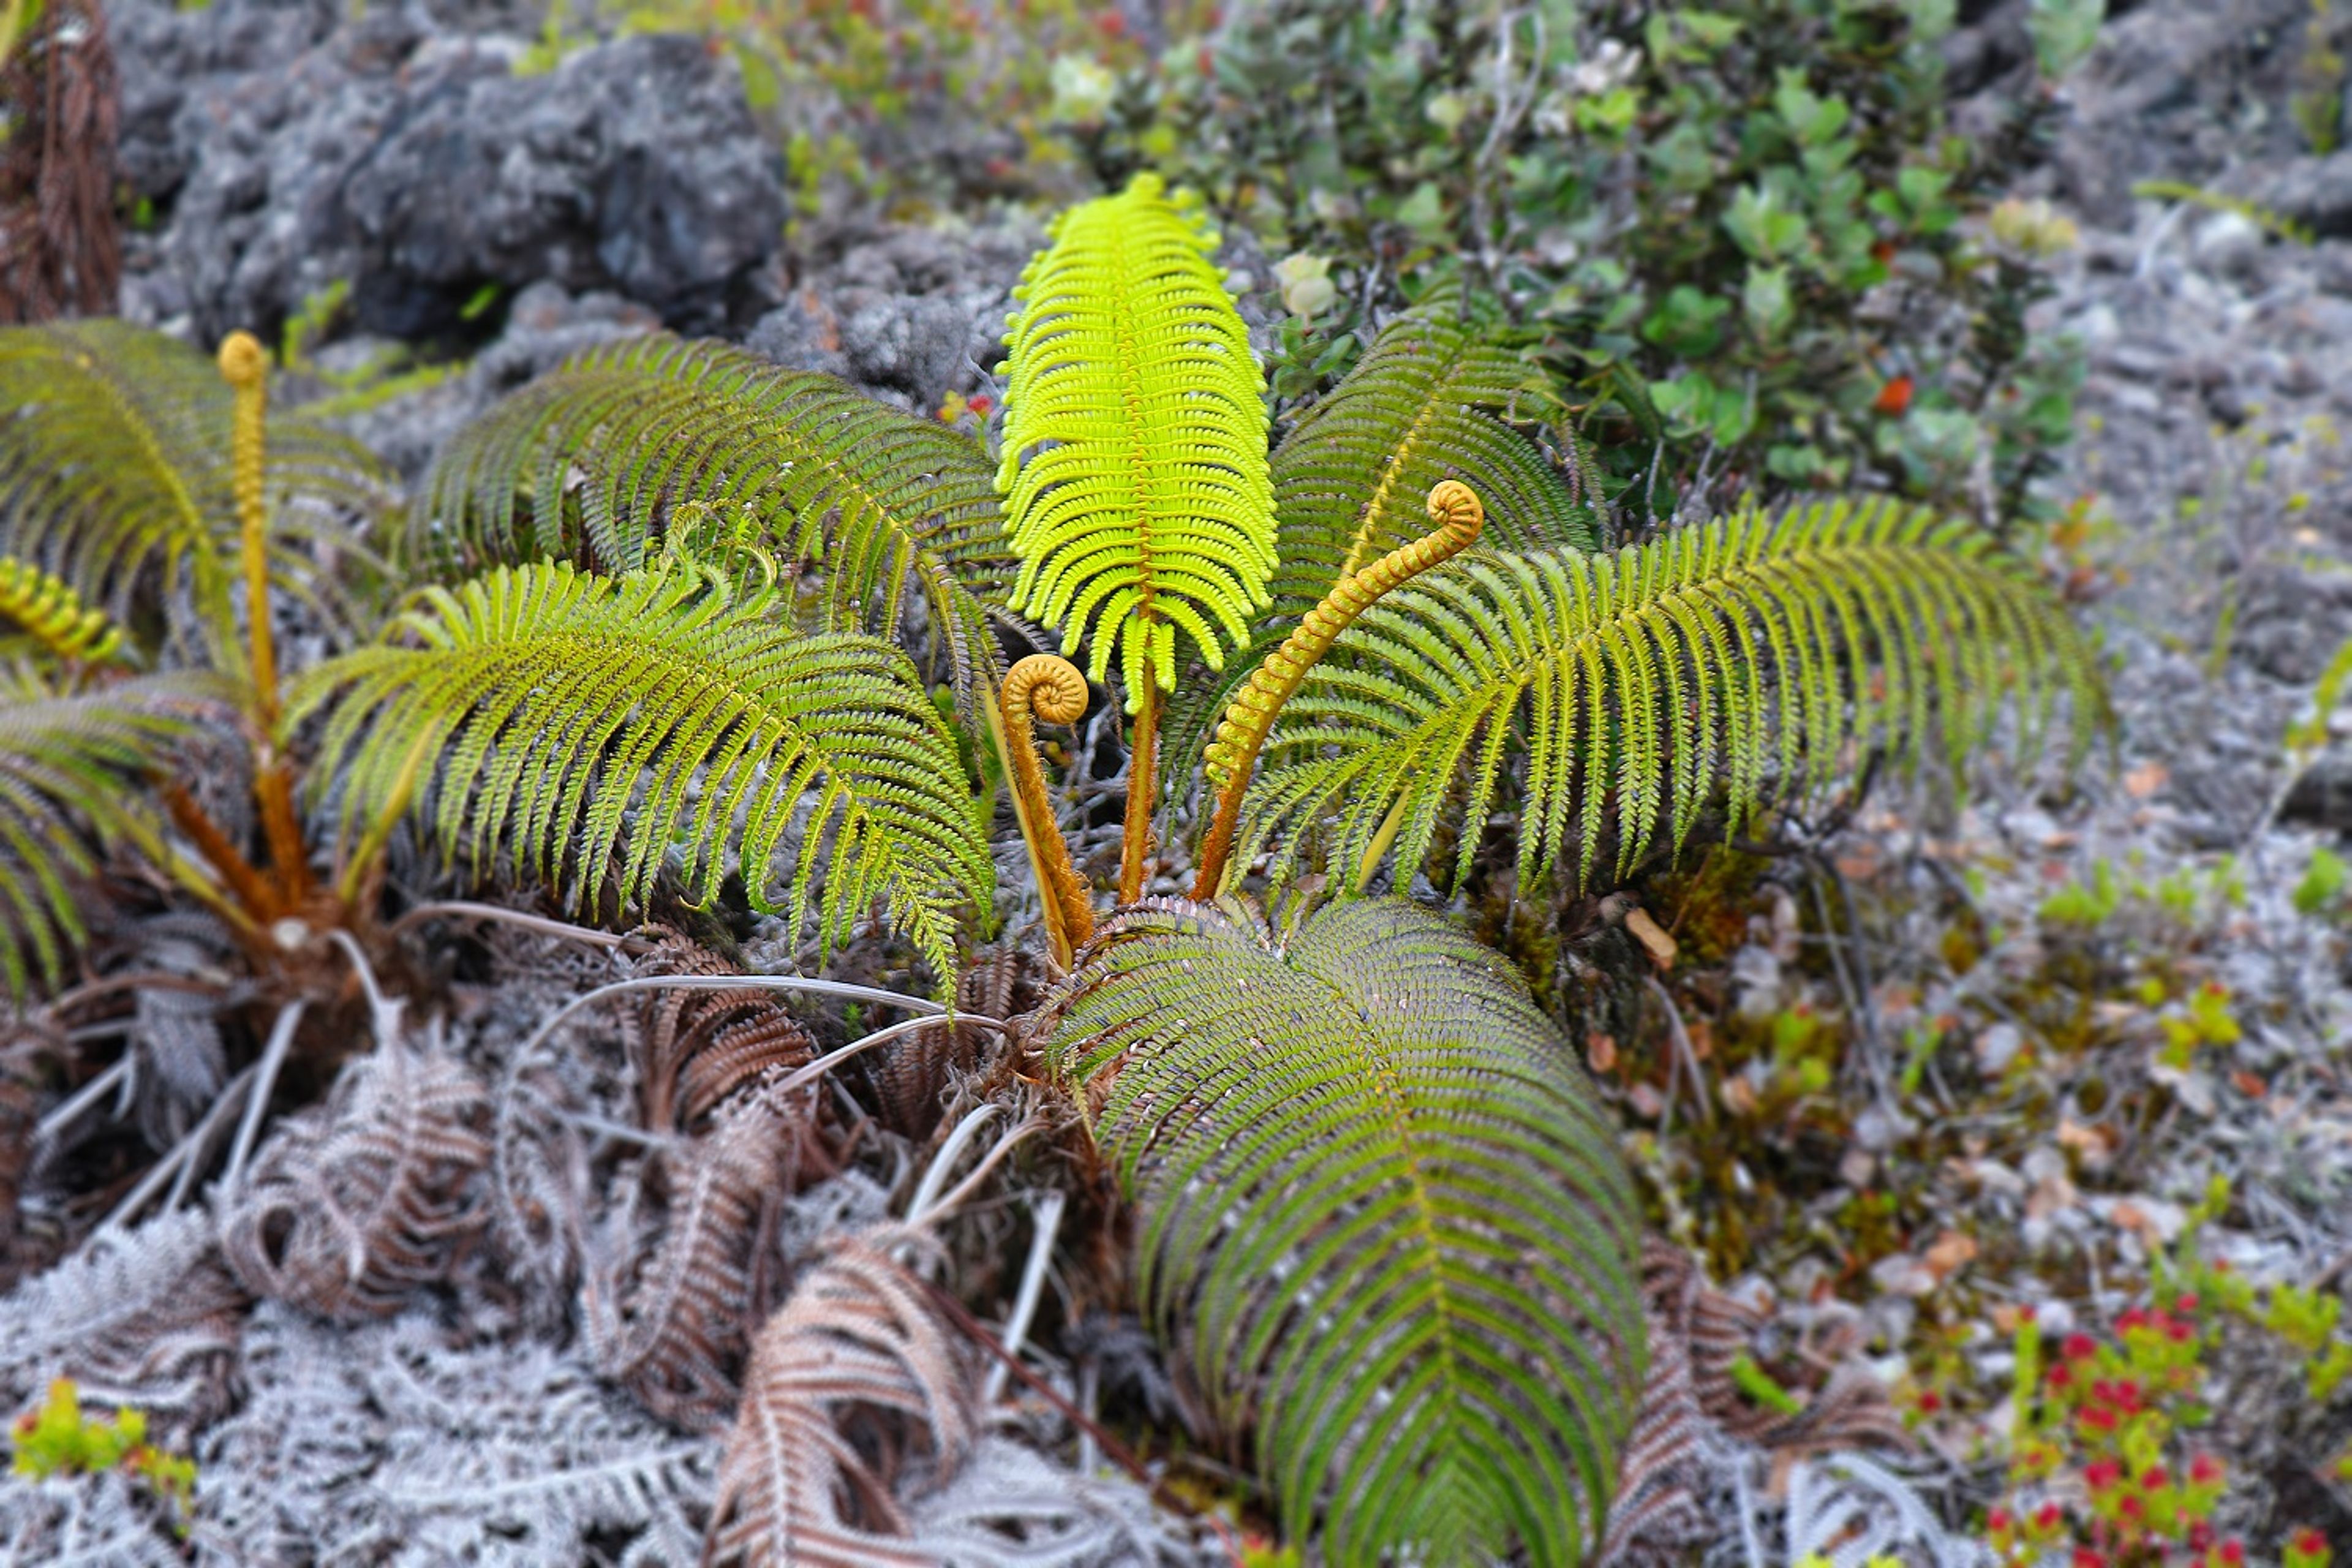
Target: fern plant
(118, 476)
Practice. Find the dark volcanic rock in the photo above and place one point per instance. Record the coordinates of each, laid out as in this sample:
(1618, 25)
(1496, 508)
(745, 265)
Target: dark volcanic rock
(413, 166)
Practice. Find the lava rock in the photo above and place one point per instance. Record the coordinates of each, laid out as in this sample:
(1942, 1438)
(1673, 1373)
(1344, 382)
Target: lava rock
(410, 169)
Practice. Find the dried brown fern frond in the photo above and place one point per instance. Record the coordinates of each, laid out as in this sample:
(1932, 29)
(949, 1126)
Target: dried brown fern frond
(670, 1322)
(17, 1123)
(59, 254)
(353, 1205)
(695, 1049)
(1658, 1517)
(853, 1380)
(910, 1082)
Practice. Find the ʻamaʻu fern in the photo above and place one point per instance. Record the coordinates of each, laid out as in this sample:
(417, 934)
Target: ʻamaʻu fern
(1380, 1213)
(567, 718)
(1134, 472)
(596, 461)
(116, 473)
(1758, 647)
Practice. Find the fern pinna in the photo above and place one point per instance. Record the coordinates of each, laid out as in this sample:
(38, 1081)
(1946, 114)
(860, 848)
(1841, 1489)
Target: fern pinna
(1379, 1211)
(598, 461)
(1757, 648)
(531, 707)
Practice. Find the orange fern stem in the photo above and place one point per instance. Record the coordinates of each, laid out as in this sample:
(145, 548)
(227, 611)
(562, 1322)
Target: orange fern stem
(1142, 773)
(1051, 688)
(1459, 515)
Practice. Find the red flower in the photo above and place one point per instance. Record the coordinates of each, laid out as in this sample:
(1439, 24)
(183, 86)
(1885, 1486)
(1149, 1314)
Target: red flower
(2099, 1418)
(2204, 1469)
(2061, 1377)
(2047, 1517)
(2156, 1480)
(2181, 1332)
(2185, 1302)
(1998, 1520)
(2200, 1536)
(2078, 1347)
(1111, 23)
(2309, 1541)
(981, 405)
(2131, 1318)
(1930, 1402)
(2233, 1551)
(1894, 399)
(2101, 1474)
(2087, 1558)
(2133, 1507)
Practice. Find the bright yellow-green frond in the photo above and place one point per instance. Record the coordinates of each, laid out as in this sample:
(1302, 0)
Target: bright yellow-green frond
(573, 726)
(1768, 651)
(1134, 472)
(1379, 1212)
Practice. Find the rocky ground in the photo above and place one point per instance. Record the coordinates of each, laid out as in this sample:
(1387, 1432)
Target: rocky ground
(406, 177)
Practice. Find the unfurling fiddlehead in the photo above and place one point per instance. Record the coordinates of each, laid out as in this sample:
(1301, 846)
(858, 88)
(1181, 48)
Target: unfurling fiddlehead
(1454, 508)
(245, 365)
(1053, 689)
(53, 614)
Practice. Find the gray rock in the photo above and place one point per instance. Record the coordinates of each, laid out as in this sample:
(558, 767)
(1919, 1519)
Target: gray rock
(2314, 192)
(411, 167)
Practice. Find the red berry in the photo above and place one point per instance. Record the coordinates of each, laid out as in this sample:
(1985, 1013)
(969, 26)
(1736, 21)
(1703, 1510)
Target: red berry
(2101, 1474)
(2309, 1541)
(2185, 1302)
(1930, 1402)
(2204, 1469)
(2078, 1347)
(2047, 1517)
(1894, 399)
(1998, 1520)
(2155, 1479)
(2233, 1551)
(2087, 1558)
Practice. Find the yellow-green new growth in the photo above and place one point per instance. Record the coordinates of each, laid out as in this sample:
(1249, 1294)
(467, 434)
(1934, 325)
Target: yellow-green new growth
(1134, 474)
(52, 614)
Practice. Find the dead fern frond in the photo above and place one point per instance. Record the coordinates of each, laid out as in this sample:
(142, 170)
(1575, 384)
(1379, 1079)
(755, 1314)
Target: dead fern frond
(854, 1366)
(352, 1205)
(670, 1324)
(146, 1316)
(695, 1049)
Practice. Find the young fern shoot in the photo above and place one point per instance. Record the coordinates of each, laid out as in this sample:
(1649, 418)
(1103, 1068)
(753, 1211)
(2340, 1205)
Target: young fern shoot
(1455, 508)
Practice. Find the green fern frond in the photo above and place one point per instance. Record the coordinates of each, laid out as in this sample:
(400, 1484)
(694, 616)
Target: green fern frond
(1761, 648)
(52, 617)
(565, 719)
(1134, 473)
(597, 461)
(115, 472)
(70, 770)
(1379, 1213)
(1424, 404)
